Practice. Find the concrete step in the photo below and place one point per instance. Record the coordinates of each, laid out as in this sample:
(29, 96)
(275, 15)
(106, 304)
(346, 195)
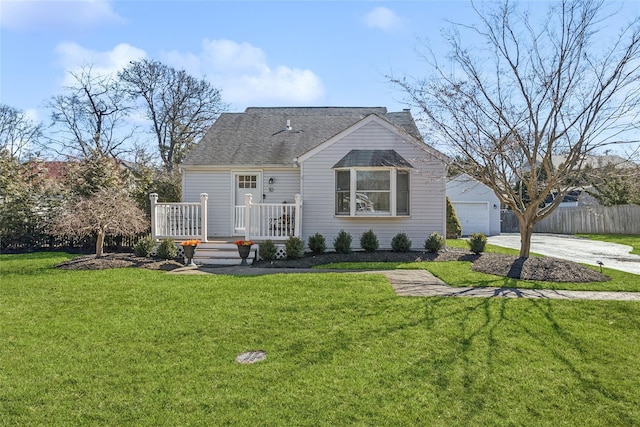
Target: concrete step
(221, 253)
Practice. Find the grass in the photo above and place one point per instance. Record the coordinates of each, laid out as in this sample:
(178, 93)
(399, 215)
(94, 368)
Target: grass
(464, 244)
(624, 239)
(138, 347)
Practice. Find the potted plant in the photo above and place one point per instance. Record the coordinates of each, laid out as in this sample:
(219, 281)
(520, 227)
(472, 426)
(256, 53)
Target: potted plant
(189, 247)
(244, 248)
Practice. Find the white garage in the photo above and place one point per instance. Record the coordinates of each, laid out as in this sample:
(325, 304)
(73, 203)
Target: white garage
(476, 205)
(473, 216)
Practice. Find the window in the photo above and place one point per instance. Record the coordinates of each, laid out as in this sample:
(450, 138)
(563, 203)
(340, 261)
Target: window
(376, 191)
(402, 192)
(247, 181)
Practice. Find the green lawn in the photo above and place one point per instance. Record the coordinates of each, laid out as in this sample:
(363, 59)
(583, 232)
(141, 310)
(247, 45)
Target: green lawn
(464, 244)
(138, 347)
(631, 240)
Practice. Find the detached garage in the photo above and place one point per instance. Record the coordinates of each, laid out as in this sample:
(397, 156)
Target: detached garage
(476, 205)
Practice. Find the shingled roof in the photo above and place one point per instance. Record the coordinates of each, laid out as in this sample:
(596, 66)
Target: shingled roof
(275, 136)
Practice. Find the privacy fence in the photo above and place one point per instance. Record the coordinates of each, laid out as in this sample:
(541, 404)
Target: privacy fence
(621, 219)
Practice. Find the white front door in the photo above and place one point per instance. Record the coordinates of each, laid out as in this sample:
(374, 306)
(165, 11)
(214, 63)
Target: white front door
(245, 183)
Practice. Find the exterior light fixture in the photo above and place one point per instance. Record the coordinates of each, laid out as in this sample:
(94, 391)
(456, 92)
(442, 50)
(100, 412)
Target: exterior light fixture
(271, 181)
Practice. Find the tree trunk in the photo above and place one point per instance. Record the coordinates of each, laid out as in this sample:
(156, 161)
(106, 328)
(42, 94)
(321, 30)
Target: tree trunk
(526, 231)
(99, 243)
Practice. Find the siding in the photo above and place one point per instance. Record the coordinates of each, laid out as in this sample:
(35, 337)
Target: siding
(217, 184)
(286, 185)
(427, 191)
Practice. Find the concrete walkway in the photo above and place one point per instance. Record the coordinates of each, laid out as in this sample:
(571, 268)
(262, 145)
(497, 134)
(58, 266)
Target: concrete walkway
(421, 283)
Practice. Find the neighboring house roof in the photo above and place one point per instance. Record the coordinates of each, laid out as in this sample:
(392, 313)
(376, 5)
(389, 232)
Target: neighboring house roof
(595, 161)
(276, 136)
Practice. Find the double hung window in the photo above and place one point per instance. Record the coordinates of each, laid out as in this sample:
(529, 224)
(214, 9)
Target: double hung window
(372, 192)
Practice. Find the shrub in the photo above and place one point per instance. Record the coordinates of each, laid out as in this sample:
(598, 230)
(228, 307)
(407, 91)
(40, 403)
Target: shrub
(434, 242)
(342, 242)
(454, 229)
(477, 242)
(369, 241)
(267, 250)
(167, 249)
(317, 244)
(294, 247)
(145, 247)
(401, 243)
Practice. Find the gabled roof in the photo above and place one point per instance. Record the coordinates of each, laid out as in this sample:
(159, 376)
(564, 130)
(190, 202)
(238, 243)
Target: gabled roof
(276, 136)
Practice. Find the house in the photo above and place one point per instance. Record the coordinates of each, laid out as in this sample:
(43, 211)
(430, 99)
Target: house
(269, 173)
(477, 206)
(577, 197)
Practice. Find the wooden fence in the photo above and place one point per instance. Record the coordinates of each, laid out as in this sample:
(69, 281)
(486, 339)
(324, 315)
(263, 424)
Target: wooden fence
(620, 219)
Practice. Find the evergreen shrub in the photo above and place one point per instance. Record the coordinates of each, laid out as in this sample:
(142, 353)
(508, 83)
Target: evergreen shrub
(401, 243)
(167, 249)
(434, 242)
(342, 242)
(477, 242)
(369, 241)
(294, 247)
(267, 250)
(145, 247)
(317, 244)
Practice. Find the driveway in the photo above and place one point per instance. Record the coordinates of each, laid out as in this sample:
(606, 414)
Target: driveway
(577, 249)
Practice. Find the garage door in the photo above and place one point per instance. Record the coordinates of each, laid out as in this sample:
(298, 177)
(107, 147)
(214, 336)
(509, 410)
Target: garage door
(473, 216)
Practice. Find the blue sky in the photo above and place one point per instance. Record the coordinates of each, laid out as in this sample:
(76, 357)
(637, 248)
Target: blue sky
(258, 53)
(265, 53)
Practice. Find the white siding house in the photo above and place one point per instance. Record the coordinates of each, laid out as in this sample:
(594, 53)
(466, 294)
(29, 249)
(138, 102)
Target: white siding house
(426, 186)
(477, 206)
(354, 169)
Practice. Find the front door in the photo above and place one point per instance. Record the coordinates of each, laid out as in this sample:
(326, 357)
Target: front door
(245, 183)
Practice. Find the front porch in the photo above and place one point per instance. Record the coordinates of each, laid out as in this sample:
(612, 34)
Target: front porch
(252, 221)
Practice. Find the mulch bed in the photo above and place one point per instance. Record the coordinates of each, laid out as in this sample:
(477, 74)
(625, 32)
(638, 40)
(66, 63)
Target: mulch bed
(118, 260)
(532, 268)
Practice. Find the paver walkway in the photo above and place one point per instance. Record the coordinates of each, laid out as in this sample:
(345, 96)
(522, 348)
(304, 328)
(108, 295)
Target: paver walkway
(421, 283)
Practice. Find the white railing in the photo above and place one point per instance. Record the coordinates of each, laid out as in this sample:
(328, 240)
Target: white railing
(179, 220)
(274, 221)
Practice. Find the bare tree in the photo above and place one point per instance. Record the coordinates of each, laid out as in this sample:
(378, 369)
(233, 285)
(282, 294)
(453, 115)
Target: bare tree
(180, 107)
(522, 92)
(90, 117)
(17, 132)
(107, 212)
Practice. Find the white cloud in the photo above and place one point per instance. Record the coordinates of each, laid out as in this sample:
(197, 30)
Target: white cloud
(241, 70)
(40, 14)
(73, 57)
(384, 19)
(32, 114)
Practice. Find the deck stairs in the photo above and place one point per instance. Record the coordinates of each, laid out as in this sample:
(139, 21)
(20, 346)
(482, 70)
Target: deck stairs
(220, 252)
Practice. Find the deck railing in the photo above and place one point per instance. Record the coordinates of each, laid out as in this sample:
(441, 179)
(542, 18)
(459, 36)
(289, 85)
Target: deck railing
(274, 221)
(256, 221)
(179, 220)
